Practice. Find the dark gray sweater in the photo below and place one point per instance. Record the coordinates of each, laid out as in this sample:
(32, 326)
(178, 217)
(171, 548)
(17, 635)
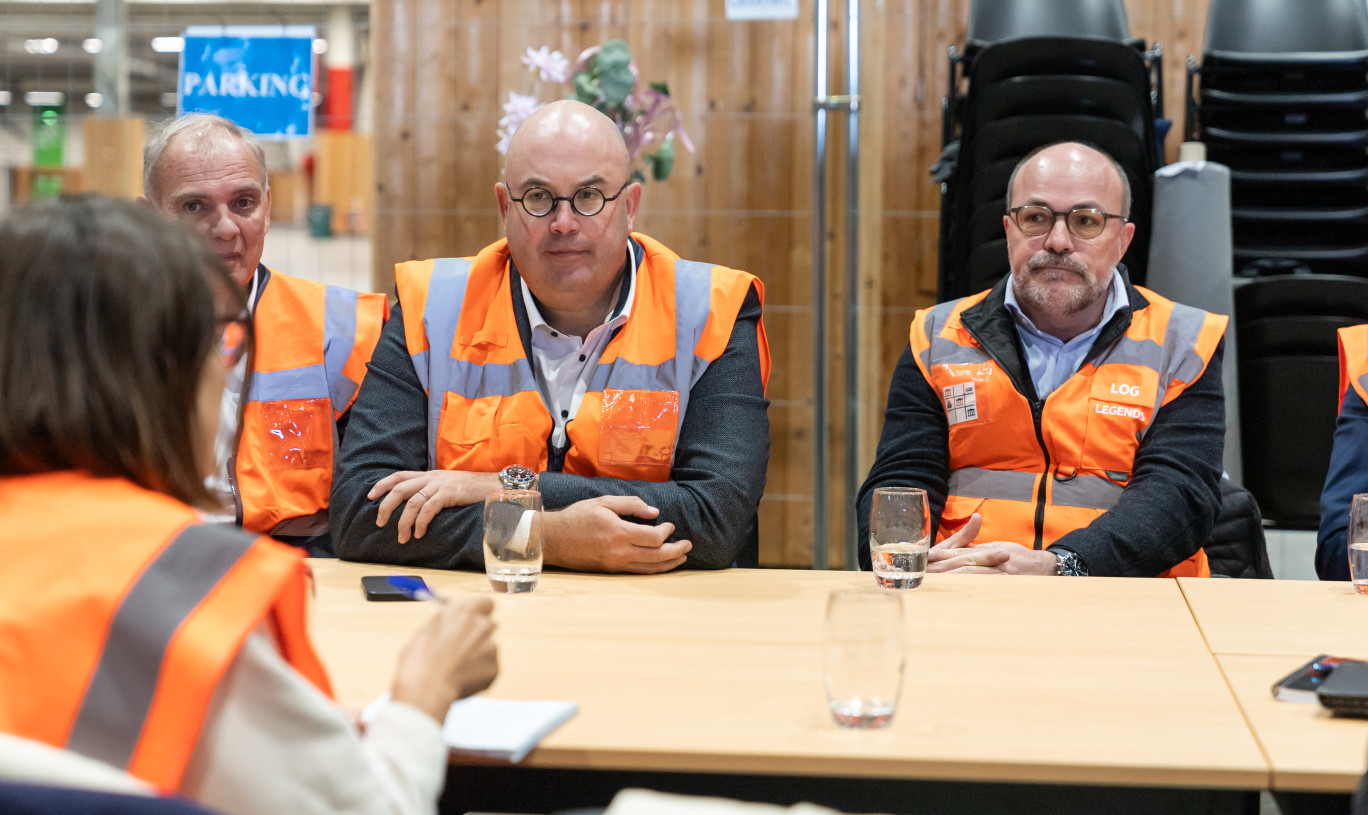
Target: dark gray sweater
(714, 489)
(1165, 513)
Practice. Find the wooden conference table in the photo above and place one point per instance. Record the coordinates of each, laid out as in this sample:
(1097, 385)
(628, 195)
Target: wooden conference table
(1049, 695)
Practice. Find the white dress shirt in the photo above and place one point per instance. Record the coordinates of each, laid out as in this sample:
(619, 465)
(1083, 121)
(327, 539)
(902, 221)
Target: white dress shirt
(564, 364)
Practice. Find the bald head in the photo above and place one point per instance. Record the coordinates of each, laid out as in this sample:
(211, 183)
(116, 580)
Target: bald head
(567, 123)
(1055, 157)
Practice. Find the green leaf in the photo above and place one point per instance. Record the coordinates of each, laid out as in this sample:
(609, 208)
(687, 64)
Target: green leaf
(661, 87)
(662, 160)
(585, 89)
(613, 68)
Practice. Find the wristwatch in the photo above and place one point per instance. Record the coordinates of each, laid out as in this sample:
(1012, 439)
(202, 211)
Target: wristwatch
(1069, 564)
(518, 477)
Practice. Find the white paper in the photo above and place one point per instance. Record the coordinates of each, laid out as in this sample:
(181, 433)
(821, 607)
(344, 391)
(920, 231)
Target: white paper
(502, 728)
(494, 728)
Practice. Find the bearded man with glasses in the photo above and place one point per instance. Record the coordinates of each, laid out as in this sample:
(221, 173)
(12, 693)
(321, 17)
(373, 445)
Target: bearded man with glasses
(1064, 422)
(626, 384)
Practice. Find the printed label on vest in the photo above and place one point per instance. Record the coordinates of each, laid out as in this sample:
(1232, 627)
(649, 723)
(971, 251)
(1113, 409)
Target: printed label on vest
(961, 402)
(1119, 410)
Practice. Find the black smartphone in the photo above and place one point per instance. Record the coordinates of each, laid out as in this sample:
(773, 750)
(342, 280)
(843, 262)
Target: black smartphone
(379, 588)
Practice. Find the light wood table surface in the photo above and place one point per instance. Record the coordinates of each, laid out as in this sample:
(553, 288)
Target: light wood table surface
(1261, 630)
(1096, 682)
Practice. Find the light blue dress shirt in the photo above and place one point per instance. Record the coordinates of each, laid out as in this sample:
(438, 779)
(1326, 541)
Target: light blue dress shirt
(1050, 361)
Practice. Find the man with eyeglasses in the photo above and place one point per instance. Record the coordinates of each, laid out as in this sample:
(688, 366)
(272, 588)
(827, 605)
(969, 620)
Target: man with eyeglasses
(626, 384)
(276, 442)
(1064, 422)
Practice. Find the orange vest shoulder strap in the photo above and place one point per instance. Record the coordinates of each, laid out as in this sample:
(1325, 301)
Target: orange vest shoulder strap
(1353, 362)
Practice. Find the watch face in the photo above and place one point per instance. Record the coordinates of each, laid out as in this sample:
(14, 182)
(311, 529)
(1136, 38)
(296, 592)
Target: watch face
(518, 477)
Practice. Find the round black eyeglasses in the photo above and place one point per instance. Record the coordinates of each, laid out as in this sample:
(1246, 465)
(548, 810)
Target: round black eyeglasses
(587, 201)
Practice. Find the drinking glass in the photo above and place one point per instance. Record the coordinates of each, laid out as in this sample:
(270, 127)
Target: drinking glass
(513, 540)
(862, 665)
(899, 536)
(1356, 536)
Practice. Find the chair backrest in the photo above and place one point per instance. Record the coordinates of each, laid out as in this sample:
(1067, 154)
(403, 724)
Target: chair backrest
(993, 21)
(1237, 547)
(1289, 383)
(1025, 93)
(1286, 29)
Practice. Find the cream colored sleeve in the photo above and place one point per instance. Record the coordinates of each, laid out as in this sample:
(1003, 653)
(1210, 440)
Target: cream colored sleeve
(273, 744)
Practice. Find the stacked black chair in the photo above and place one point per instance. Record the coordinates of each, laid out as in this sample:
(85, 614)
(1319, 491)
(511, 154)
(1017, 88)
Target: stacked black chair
(1026, 90)
(1284, 93)
(1289, 386)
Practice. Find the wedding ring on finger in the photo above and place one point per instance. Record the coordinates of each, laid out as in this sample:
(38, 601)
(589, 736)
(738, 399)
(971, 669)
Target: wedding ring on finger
(426, 497)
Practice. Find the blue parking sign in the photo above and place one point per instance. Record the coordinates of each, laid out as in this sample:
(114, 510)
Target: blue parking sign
(259, 77)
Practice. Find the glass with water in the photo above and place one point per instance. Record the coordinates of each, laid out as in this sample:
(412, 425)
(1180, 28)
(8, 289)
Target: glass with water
(1356, 536)
(863, 652)
(899, 536)
(513, 540)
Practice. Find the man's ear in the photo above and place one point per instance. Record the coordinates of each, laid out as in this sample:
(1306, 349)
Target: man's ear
(632, 198)
(502, 195)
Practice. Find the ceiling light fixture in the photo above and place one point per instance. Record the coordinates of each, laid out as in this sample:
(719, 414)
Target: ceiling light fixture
(94, 99)
(168, 45)
(36, 99)
(94, 45)
(47, 45)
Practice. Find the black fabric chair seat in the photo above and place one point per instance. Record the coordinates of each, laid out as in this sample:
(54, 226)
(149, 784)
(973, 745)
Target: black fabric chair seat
(1290, 118)
(1070, 95)
(1336, 215)
(1055, 55)
(1285, 139)
(1287, 157)
(1237, 547)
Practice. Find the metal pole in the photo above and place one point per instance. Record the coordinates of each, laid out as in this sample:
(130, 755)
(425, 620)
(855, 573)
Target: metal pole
(852, 259)
(819, 343)
(111, 63)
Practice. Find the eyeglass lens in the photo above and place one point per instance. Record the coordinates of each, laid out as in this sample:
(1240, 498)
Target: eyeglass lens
(1084, 222)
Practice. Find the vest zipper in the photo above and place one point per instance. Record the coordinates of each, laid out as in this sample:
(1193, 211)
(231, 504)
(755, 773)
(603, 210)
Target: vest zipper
(1044, 475)
(1036, 406)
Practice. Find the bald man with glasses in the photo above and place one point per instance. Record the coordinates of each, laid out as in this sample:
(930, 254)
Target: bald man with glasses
(1064, 422)
(575, 355)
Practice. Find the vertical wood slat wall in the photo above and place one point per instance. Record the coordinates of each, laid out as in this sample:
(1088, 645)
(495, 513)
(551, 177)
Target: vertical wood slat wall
(445, 67)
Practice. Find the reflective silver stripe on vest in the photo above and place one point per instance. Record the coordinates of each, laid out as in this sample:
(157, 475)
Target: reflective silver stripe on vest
(306, 382)
(120, 692)
(941, 351)
(1176, 359)
(1003, 485)
(1363, 383)
(1087, 491)
(339, 337)
(441, 313)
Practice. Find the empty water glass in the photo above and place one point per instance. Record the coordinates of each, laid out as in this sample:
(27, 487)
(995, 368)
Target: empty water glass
(862, 660)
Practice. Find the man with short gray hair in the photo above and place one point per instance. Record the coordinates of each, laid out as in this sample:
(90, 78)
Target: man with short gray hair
(275, 447)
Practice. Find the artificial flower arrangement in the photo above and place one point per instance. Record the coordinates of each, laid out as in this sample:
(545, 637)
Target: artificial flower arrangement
(606, 77)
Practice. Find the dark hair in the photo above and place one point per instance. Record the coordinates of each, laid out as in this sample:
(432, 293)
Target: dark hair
(107, 316)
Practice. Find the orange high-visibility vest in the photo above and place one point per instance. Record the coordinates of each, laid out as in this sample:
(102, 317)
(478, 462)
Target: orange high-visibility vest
(1353, 362)
(1034, 491)
(485, 410)
(312, 345)
(120, 613)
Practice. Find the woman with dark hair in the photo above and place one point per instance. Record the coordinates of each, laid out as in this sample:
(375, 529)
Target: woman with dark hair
(130, 632)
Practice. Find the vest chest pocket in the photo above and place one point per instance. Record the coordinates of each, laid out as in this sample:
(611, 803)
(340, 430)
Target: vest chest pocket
(1118, 409)
(292, 434)
(638, 428)
(490, 433)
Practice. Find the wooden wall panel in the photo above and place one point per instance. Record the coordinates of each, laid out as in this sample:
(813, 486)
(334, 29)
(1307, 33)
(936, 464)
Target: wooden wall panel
(744, 199)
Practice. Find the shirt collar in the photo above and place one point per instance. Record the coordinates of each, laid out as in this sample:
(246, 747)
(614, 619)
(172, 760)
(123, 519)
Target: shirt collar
(1116, 300)
(620, 311)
